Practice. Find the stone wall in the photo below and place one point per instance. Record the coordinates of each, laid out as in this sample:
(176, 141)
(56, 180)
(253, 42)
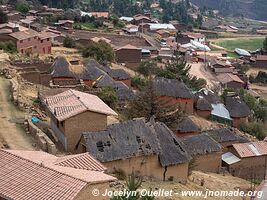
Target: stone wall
(43, 141)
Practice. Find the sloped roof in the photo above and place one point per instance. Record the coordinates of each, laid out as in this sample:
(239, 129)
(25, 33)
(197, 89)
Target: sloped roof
(251, 149)
(209, 95)
(72, 102)
(61, 68)
(220, 110)
(92, 71)
(200, 144)
(230, 158)
(237, 107)
(172, 149)
(226, 135)
(119, 74)
(203, 104)
(123, 91)
(28, 174)
(22, 35)
(229, 77)
(186, 125)
(128, 46)
(171, 87)
(122, 141)
(136, 138)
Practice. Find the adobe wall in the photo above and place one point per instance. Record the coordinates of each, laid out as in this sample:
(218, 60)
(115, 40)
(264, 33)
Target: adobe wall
(207, 163)
(76, 125)
(185, 104)
(149, 166)
(249, 167)
(203, 113)
(238, 121)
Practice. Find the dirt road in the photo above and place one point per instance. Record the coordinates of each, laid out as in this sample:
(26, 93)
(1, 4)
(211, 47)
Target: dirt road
(198, 70)
(11, 134)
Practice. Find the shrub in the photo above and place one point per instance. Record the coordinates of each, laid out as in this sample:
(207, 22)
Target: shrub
(255, 128)
(69, 42)
(9, 46)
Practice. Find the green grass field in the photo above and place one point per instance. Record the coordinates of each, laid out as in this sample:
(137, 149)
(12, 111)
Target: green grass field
(250, 44)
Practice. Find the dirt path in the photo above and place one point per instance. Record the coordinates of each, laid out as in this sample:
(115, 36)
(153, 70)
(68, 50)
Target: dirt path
(11, 134)
(198, 70)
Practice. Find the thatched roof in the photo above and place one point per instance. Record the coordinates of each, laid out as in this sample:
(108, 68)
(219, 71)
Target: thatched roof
(104, 81)
(136, 138)
(92, 71)
(172, 149)
(237, 107)
(200, 144)
(171, 87)
(186, 125)
(123, 91)
(226, 135)
(209, 95)
(203, 104)
(61, 68)
(119, 74)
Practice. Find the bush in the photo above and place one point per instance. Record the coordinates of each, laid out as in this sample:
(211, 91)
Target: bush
(69, 42)
(101, 51)
(9, 47)
(139, 82)
(109, 96)
(256, 129)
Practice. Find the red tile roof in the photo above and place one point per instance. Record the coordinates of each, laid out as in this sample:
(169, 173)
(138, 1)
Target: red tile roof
(81, 161)
(72, 102)
(251, 149)
(228, 77)
(28, 174)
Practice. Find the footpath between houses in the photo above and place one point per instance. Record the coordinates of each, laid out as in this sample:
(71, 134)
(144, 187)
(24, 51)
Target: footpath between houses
(32, 130)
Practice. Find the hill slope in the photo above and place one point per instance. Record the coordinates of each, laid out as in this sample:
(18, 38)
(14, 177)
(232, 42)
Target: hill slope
(254, 9)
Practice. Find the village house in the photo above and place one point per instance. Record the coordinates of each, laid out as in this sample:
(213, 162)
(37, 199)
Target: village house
(13, 16)
(121, 75)
(103, 15)
(65, 24)
(129, 54)
(220, 66)
(174, 92)
(203, 107)
(73, 112)
(148, 149)
(186, 127)
(205, 151)
(224, 28)
(187, 37)
(229, 80)
(260, 61)
(139, 19)
(250, 162)
(238, 109)
(31, 42)
(28, 174)
(163, 34)
(131, 29)
(226, 137)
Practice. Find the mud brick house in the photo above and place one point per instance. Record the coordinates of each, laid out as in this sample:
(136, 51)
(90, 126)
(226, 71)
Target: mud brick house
(65, 24)
(163, 34)
(39, 175)
(73, 112)
(260, 61)
(219, 66)
(120, 75)
(129, 54)
(32, 42)
(138, 19)
(238, 109)
(203, 107)
(252, 162)
(174, 92)
(205, 151)
(103, 15)
(226, 137)
(187, 37)
(13, 16)
(186, 127)
(229, 80)
(149, 149)
(130, 29)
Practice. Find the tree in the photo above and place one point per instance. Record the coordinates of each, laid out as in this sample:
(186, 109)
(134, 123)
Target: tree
(265, 44)
(147, 104)
(100, 51)
(109, 96)
(147, 68)
(69, 42)
(9, 46)
(3, 17)
(22, 7)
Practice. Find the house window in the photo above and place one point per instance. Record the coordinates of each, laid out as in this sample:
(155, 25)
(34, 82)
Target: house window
(35, 37)
(21, 41)
(42, 41)
(29, 39)
(62, 123)
(44, 50)
(35, 47)
(48, 39)
(21, 51)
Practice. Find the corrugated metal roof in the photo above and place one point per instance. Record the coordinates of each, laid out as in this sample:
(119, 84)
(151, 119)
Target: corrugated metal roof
(230, 158)
(220, 110)
(251, 149)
